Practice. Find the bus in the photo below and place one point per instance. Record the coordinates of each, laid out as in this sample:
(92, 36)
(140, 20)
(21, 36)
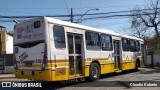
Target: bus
(49, 49)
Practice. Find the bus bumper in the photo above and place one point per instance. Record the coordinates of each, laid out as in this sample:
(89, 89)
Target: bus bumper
(45, 75)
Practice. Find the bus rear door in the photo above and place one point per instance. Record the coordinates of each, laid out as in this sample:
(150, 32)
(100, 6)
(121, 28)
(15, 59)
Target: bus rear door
(117, 54)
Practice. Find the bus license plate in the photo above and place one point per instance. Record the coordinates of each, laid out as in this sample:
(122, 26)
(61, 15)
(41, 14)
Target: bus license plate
(27, 72)
(29, 64)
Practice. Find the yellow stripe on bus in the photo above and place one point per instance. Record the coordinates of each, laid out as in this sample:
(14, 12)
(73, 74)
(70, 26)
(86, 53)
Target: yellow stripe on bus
(33, 65)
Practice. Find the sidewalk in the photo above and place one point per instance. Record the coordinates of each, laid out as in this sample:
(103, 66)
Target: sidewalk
(156, 68)
(5, 76)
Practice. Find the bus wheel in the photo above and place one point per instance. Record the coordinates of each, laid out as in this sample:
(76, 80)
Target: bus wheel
(94, 72)
(136, 67)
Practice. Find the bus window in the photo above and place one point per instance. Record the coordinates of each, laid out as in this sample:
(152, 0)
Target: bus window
(29, 44)
(125, 44)
(132, 45)
(70, 43)
(106, 42)
(59, 36)
(92, 41)
(137, 46)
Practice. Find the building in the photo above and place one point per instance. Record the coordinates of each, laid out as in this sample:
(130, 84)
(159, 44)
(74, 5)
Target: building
(6, 51)
(153, 52)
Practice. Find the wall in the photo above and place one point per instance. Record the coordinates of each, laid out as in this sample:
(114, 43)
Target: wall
(9, 44)
(6, 52)
(156, 59)
(6, 43)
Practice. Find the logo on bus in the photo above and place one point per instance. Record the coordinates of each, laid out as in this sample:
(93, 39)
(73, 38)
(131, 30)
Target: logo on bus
(23, 56)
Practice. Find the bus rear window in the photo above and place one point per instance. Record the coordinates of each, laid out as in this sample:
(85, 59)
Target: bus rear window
(59, 36)
(28, 44)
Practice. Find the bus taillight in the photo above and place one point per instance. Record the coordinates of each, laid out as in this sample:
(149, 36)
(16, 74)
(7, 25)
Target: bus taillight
(15, 62)
(44, 63)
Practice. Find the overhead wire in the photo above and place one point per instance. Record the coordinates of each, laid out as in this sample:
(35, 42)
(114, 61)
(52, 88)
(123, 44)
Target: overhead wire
(67, 7)
(105, 15)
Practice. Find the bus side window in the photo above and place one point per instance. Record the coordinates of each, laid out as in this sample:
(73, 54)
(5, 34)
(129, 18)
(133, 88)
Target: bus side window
(106, 42)
(92, 41)
(125, 44)
(59, 36)
(132, 45)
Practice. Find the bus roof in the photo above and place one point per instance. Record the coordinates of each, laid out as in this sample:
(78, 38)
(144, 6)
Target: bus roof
(56, 21)
(65, 23)
(79, 26)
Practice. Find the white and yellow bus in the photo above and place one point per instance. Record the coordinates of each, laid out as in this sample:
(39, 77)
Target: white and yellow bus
(54, 50)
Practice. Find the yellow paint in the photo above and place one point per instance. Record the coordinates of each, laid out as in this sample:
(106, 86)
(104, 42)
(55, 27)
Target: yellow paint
(87, 63)
(108, 68)
(3, 38)
(126, 65)
(63, 73)
(38, 75)
(34, 65)
(86, 70)
(106, 61)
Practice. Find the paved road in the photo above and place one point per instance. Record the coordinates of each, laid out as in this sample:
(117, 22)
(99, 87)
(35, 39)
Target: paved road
(112, 81)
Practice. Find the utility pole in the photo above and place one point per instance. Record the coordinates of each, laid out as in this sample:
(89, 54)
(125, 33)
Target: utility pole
(71, 15)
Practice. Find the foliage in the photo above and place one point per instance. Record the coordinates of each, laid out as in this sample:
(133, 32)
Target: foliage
(146, 20)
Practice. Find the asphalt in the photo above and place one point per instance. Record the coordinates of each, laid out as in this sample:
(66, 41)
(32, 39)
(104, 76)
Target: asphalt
(115, 81)
(7, 76)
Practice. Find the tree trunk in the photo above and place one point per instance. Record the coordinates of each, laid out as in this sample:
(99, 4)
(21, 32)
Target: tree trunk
(156, 30)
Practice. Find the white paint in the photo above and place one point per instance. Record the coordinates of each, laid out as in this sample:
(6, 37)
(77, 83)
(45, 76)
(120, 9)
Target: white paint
(62, 54)
(9, 44)
(25, 32)
(56, 21)
(32, 54)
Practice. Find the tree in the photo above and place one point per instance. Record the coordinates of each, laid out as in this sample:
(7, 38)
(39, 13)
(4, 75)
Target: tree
(146, 18)
(140, 31)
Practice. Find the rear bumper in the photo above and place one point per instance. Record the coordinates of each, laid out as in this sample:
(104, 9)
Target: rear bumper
(45, 75)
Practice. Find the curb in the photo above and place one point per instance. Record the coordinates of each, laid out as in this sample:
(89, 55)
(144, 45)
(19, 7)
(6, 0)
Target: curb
(6, 77)
(158, 68)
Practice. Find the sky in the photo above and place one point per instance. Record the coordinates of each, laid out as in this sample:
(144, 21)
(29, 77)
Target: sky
(63, 7)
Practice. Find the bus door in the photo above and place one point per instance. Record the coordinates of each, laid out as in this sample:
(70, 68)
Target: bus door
(117, 54)
(75, 54)
(143, 52)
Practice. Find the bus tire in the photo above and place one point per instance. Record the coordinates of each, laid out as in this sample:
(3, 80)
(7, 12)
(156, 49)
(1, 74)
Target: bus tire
(94, 72)
(137, 65)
